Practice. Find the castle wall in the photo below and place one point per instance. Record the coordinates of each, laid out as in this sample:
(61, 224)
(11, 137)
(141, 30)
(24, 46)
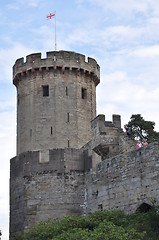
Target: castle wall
(39, 191)
(125, 182)
(65, 185)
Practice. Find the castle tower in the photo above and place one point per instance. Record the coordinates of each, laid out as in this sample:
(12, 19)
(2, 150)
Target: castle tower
(56, 101)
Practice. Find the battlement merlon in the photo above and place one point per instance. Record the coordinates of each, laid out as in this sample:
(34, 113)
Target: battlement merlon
(60, 161)
(99, 125)
(55, 59)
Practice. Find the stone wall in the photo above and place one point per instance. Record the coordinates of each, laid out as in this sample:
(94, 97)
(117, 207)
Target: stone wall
(65, 59)
(40, 191)
(68, 183)
(56, 101)
(125, 181)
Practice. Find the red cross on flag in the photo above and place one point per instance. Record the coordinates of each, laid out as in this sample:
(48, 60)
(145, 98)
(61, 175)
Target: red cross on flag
(50, 15)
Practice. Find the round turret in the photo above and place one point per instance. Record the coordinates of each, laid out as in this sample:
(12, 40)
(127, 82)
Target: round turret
(56, 100)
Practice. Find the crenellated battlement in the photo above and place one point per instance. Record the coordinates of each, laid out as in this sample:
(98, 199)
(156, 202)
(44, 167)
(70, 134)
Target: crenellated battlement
(60, 161)
(55, 60)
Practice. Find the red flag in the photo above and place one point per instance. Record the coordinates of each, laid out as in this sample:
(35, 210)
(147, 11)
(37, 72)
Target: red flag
(50, 16)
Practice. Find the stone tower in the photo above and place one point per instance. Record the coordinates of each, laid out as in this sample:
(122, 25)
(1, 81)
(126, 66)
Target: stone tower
(56, 101)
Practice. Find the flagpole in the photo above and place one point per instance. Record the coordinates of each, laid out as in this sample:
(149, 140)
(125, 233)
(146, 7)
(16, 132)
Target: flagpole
(55, 32)
(49, 17)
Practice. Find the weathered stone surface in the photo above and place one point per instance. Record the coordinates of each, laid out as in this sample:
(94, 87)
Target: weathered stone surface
(68, 160)
(61, 119)
(126, 186)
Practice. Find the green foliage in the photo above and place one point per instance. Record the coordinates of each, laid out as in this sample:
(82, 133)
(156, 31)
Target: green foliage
(153, 218)
(73, 234)
(106, 225)
(144, 128)
(110, 216)
(148, 222)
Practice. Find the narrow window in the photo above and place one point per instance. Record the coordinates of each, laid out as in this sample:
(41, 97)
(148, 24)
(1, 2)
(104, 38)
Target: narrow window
(68, 117)
(83, 93)
(30, 132)
(68, 143)
(45, 90)
(51, 130)
(18, 99)
(66, 91)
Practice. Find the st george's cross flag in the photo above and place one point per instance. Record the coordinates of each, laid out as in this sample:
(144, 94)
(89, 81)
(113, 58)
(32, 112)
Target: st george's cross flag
(50, 15)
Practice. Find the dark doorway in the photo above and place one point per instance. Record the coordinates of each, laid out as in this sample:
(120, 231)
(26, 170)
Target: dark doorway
(144, 207)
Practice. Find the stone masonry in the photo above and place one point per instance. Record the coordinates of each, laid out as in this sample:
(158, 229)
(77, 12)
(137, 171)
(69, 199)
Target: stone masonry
(70, 161)
(56, 101)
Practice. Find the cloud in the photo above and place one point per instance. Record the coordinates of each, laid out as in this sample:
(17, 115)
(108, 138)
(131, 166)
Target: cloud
(154, 20)
(146, 52)
(115, 77)
(15, 51)
(115, 37)
(121, 6)
(13, 6)
(32, 3)
(16, 5)
(79, 2)
(7, 103)
(7, 149)
(118, 94)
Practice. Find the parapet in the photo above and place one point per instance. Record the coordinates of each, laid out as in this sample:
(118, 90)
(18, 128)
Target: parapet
(99, 124)
(56, 59)
(60, 161)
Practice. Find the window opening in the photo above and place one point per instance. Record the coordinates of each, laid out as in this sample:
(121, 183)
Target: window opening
(68, 143)
(83, 93)
(45, 90)
(66, 91)
(30, 132)
(18, 99)
(51, 130)
(68, 117)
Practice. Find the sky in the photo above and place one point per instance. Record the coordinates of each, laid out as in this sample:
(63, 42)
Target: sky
(122, 35)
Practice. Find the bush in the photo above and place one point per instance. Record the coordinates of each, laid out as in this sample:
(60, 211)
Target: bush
(106, 225)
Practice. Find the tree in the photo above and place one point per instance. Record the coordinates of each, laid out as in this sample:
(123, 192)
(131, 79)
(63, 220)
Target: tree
(143, 130)
(112, 225)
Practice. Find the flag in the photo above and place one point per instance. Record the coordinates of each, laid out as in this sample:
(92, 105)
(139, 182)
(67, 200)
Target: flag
(53, 15)
(50, 15)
